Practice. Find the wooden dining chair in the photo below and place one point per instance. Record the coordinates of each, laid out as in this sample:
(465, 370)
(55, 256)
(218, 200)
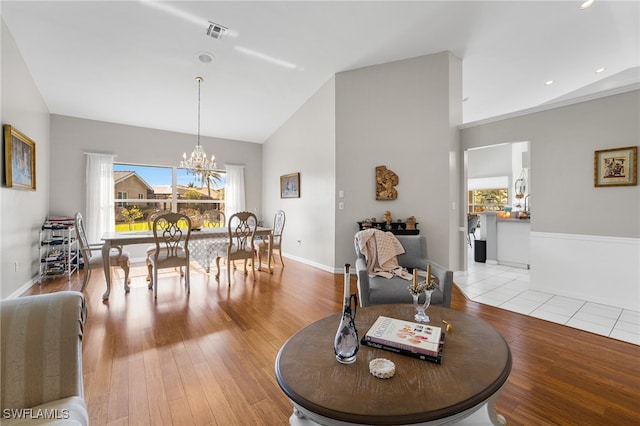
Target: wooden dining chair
(152, 248)
(214, 219)
(262, 245)
(241, 231)
(171, 232)
(92, 255)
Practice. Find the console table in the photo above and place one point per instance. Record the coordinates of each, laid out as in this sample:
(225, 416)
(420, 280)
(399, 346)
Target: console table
(475, 365)
(397, 228)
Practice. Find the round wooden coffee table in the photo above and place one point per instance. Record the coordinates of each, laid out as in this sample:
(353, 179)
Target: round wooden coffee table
(476, 363)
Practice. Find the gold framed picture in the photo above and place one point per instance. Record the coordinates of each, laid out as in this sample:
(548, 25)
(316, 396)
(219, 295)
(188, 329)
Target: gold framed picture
(19, 159)
(290, 186)
(616, 167)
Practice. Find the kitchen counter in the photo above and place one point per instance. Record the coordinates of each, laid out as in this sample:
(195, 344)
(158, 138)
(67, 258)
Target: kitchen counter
(507, 239)
(513, 242)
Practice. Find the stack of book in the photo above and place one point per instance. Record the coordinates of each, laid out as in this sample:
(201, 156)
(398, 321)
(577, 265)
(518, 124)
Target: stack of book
(58, 222)
(407, 338)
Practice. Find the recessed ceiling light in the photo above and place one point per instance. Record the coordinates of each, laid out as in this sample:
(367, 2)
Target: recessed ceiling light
(599, 70)
(205, 57)
(549, 82)
(587, 4)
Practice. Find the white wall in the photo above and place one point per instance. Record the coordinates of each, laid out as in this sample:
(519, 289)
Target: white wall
(567, 210)
(22, 212)
(305, 144)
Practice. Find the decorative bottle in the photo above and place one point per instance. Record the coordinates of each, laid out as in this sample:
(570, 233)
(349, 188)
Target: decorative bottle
(346, 343)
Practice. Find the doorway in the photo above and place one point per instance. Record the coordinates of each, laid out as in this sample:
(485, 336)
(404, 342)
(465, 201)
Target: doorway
(490, 177)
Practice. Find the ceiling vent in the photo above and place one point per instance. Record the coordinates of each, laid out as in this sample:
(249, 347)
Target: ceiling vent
(216, 30)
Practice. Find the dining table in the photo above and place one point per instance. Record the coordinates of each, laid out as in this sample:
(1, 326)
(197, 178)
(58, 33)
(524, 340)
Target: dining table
(204, 246)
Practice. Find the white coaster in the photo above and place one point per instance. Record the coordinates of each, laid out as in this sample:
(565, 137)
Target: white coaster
(382, 368)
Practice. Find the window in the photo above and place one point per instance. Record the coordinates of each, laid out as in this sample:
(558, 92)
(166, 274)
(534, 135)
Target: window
(121, 196)
(164, 188)
(481, 200)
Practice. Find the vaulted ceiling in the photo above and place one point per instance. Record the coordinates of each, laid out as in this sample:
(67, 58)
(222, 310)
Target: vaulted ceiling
(135, 62)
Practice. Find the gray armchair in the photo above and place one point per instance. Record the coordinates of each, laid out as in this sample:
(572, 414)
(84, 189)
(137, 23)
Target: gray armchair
(379, 290)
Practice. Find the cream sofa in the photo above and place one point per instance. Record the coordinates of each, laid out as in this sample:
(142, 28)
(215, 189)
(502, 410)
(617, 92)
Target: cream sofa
(41, 360)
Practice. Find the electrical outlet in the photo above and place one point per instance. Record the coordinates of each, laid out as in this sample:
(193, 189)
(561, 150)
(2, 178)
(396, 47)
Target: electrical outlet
(15, 266)
(340, 206)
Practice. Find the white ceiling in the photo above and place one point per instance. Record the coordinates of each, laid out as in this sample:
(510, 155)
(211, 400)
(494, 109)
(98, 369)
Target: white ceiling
(135, 62)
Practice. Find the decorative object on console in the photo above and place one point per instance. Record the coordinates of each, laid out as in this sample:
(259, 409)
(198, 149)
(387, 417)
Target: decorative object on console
(616, 167)
(386, 180)
(397, 228)
(290, 186)
(198, 164)
(411, 223)
(19, 159)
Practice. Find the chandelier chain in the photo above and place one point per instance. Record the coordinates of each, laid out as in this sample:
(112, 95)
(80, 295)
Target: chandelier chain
(198, 164)
(199, 79)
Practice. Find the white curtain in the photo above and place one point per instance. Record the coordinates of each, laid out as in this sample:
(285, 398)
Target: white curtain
(100, 216)
(234, 190)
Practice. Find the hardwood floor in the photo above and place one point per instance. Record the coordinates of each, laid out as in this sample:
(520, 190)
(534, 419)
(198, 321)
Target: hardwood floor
(207, 358)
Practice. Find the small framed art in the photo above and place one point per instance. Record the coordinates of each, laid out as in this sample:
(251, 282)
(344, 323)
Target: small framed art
(290, 186)
(616, 167)
(19, 159)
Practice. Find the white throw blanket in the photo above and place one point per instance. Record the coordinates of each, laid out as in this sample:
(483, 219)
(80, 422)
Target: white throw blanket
(380, 249)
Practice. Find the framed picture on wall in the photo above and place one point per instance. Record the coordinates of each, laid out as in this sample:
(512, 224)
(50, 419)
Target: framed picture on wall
(19, 159)
(290, 186)
(616, 167)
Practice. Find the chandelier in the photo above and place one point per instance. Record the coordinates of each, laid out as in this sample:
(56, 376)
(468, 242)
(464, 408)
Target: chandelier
(198, 164)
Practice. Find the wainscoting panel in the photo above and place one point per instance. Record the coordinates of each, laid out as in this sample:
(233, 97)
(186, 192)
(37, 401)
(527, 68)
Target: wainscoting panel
(603, 270)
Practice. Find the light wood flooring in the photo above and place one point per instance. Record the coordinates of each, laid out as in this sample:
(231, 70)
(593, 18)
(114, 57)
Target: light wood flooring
(207, 357)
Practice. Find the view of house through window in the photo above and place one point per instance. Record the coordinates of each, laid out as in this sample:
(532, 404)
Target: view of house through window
(141, 190)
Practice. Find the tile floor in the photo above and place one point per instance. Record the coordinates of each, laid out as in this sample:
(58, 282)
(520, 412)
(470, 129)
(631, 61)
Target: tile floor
(508, 288)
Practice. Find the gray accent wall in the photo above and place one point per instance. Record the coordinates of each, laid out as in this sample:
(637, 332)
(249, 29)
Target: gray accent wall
(72, 137)
(562, 145)
(22, 211)
(403, 115)
(305, 144)
(584, 240)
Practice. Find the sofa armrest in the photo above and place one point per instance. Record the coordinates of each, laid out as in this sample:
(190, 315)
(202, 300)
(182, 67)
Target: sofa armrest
(41, 349)
(363, 281)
